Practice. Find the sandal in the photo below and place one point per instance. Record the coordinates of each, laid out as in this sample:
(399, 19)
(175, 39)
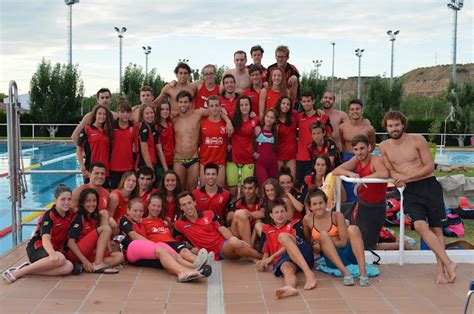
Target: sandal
(201, 259)
(348, 281)
(190, 277)
(8, 275)
(364, 281)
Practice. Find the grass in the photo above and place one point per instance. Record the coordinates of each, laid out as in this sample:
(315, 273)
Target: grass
(468, 173)
(468, 233)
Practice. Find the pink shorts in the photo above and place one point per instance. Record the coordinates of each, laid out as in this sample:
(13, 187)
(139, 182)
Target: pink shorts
(144, 249)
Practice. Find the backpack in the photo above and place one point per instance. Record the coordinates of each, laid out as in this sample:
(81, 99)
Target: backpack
(455, 227)
(393, 213)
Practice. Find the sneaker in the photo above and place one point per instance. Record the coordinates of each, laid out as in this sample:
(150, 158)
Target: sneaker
(210, 258)
(206, 270)
(201, 259)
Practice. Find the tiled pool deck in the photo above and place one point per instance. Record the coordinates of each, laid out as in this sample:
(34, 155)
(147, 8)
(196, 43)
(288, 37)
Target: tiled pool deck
(241, 289)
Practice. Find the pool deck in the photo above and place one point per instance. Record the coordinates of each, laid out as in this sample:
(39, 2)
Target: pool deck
(235, 287)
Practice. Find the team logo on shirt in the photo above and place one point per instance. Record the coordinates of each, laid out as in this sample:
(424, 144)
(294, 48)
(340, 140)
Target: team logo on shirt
(221, 199)
(45, 223)
(271, 231)
(205, 220)
(187, 226)
(76, 226)
(222, 130)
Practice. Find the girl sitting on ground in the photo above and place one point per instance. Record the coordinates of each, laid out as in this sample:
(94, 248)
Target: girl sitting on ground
(44, 249)
(158, 229)
(338, 244)
(169, 189)
(140, 251)
(287, 182)
(119, 198)
(88, 241)
(285, 247)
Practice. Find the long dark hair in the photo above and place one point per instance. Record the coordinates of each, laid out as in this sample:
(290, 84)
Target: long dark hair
(289, 115)
(109, 119)
(237, 121)
(274, 128)
(162, 190)
(158, 114)
(328, 167)
(82, 210)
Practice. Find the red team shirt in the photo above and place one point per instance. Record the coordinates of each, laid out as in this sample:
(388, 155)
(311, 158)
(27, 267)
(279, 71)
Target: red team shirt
(56, 226)
(219, 203)
(304, 137)
(213, 146)
(157, 230)
(167, 142)
(270, 235)
(200, 100)
(121, 209)
(242, 142)
(96, 146)
(122, 158)
(374, 192)
(272, 98)
(149, 135)
(103, 197)
(254, 97)
(287, 145)
(203, 232)
(328, 149)
(229, 104)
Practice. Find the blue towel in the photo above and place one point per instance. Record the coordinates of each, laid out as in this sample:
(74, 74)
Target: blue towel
(372, 271)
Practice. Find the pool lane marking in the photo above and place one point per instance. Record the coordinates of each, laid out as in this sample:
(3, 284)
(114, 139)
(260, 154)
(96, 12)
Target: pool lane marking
(28, 218)
(215, 290)
(44, 163)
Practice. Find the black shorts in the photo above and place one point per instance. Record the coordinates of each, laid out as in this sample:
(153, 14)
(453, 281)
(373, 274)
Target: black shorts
(370, 218)
(423, 199)
(152, 263)
(303, 168)
(35, 254)
(177, 246)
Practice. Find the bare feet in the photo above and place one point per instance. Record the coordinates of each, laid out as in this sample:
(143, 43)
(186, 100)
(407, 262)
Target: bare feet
(451, 270)
(286, 291)
(441, 279)
(310, 282)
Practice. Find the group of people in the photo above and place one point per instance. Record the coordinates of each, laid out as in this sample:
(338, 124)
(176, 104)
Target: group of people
(242, 170)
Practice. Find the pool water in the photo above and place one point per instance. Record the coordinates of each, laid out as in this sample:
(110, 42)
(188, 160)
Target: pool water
(40, 186)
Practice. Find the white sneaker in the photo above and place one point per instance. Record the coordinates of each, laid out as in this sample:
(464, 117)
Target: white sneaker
(210, 258)
(201, 259)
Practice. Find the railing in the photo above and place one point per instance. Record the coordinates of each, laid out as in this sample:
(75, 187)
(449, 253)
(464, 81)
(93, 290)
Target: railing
(53, 127)
(401, 241)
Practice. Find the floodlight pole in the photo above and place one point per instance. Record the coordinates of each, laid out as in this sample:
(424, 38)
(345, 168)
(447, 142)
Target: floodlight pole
(392, 37)
(332, 73)
(147, 51)
(120, 33)
(70, 3)
(455, 5)
(317, 64)
(358, 53)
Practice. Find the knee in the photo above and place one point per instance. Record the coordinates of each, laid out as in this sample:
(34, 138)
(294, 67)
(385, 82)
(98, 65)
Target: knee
(324, 236)
(241, 215)
(235, 243)
(107, 229)
(62, 259)
(420, 226)
(68, 267)
(353, 231)
(160, 251)
(284, 237)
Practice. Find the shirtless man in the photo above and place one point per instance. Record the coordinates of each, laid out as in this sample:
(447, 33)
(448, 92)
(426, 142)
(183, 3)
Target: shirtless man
(337, 117)
(104, 97)
(186, 129)
(182, 72)
(146, 98)
(356, 125)
(240, 73)
(408, 158)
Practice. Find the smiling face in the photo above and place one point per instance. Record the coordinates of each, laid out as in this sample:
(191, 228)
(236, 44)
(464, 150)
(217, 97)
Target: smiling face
(182, 76)
(90, 203)
(245, 106)
(256, 77)
(229, 85)
(170, 182)
(97, 176)
(101, 116)
(209, 74)
(286, 183)
(64, 201)
(184, 104)
(355, 111)
(146, 97)
(154, 207)
(149, 115)
(277, 77)
(210, 176)
(320, 167)
(269, 119)
(317, 205)
(395, 129)
(188, 206)
(327, 101)
(135, 211)
(279, 215)
(285, 105)
(270, 192)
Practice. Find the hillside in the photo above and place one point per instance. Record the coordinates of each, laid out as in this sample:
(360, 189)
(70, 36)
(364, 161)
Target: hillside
(427, 81)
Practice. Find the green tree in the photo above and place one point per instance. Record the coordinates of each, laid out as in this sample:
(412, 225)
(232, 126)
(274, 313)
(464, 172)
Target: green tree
(134, 78)
(220, 73)
(309, 81)
(379, 98)
(55, 92)
(3, 96)
(464, 104)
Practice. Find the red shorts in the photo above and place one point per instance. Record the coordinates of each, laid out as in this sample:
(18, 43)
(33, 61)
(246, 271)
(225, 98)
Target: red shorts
(87, 246)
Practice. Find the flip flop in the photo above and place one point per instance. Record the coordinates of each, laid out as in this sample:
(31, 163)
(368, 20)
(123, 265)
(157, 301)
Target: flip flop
(201, 259)
(24, 264)
(8, 275)
(76, 269)
(190, 277)
(364, 281)
(107, 270)
(348, 281)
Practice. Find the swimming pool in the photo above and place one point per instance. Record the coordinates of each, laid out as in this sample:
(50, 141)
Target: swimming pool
(40, 186)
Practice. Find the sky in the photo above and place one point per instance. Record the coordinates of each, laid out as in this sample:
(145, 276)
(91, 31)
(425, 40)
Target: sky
(211, 31)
